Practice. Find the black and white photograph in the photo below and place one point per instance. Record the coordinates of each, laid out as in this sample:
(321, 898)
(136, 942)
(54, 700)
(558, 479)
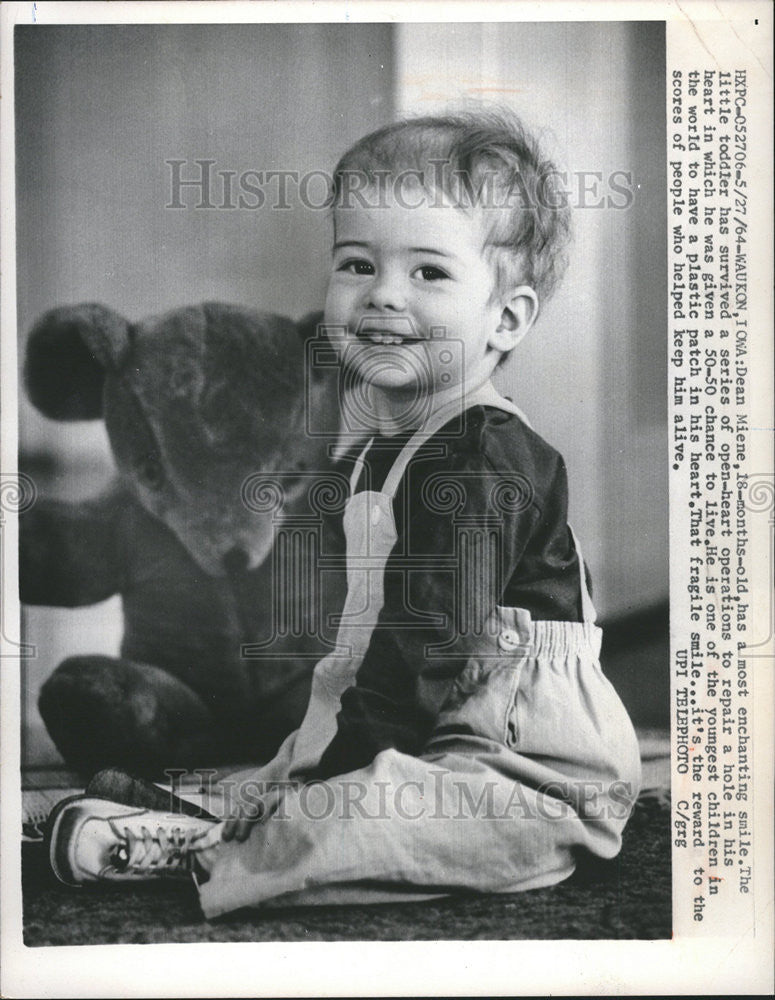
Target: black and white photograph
(343, 453)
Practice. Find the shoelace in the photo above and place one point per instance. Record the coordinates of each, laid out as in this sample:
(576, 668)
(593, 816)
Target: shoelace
(166, 851)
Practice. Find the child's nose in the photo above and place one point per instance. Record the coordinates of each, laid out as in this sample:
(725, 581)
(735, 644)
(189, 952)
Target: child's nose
(387, 292)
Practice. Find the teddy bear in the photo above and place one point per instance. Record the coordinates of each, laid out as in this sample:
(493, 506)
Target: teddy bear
(223, 489)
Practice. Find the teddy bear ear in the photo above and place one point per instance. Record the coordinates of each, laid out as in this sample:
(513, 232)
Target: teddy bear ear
(68, 353)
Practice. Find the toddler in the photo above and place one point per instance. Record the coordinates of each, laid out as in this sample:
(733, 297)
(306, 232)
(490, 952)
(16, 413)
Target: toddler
(461, 736)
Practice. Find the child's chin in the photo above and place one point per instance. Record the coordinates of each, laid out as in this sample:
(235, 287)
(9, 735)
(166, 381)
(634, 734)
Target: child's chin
(390, 367)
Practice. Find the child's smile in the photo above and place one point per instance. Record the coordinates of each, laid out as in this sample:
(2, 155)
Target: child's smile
(387, 329)
(412, 290)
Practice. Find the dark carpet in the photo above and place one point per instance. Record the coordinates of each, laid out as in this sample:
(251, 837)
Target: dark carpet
(629, 897)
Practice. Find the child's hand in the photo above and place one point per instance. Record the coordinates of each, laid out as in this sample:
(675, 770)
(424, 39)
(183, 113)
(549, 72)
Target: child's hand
(238, 827)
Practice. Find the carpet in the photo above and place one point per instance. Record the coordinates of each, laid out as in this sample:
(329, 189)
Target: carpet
(629, 897)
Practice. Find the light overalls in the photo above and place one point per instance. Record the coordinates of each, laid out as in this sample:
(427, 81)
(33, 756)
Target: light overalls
(533, 756)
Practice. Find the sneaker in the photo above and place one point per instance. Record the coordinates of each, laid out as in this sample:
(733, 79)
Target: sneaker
(92, 839)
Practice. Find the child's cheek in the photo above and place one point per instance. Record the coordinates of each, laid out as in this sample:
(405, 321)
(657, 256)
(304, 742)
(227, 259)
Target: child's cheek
(332, 307)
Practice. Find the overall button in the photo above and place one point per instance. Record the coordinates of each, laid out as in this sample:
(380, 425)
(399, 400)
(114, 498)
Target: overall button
(376, 515)
(508, 640)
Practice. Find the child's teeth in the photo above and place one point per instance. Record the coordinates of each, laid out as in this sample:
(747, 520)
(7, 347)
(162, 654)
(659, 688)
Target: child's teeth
(385, 338)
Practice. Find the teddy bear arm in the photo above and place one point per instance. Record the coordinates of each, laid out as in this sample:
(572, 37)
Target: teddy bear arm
(68, 552)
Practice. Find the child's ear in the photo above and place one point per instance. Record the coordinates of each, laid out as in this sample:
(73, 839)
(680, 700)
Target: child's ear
(519, 313)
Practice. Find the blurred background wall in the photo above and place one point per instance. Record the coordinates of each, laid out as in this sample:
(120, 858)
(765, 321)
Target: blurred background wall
(100, 110)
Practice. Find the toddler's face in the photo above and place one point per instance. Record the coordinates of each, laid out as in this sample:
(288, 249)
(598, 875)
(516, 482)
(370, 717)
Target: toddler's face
(413, 291)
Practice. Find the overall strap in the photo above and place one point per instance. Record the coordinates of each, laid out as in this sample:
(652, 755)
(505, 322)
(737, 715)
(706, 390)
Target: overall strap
(358, 467)
(588, 612)
(484, 395)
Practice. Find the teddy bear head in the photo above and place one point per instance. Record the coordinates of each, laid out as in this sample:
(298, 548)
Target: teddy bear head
(195, 402)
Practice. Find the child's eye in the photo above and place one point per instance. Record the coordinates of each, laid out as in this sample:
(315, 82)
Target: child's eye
(356, 267)
(430, 273)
